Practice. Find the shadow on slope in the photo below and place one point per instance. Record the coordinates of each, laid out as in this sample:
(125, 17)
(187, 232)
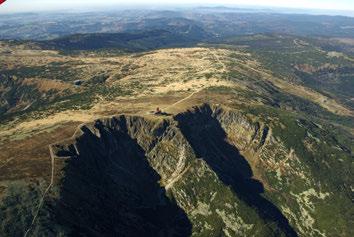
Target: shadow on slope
(131, 42)
(207, 137)
(110, 189)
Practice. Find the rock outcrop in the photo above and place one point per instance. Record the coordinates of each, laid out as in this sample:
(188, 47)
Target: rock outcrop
(167, 177)
(209, 171)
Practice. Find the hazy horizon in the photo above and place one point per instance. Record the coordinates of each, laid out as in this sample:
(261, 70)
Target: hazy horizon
(18, 6)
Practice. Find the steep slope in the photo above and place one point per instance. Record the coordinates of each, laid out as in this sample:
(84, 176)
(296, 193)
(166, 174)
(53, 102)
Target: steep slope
(268, 155)
(209, 171)
(180, 172)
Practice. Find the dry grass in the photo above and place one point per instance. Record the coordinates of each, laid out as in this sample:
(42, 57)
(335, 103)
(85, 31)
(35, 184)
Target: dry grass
(171, 79)
(160, 74)
(29, 158)
(304, 92)
(44, 85)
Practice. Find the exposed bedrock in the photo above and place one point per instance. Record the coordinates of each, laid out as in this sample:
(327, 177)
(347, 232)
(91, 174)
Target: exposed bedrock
(204, 131)
(181, 176)
(110, 189)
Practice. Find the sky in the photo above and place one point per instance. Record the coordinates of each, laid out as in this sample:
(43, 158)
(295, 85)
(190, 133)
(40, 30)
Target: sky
(44, 5)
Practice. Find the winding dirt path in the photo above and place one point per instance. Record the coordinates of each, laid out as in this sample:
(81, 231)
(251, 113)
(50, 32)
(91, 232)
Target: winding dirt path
(184, 99)
(177, 174)
(44, 194)
(179, 171)
(224, 67)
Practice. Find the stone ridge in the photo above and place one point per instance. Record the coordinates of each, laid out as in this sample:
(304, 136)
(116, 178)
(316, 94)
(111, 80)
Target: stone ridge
(190, 181)
(208, 171)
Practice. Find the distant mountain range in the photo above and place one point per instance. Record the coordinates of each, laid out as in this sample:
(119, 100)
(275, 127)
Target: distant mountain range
(219, 21)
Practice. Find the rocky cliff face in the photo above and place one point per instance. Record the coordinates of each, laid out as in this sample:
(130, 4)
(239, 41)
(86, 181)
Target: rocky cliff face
(209, 171)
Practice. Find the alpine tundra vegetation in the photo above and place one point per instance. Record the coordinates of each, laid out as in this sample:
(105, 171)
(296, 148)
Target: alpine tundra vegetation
(209, 121)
